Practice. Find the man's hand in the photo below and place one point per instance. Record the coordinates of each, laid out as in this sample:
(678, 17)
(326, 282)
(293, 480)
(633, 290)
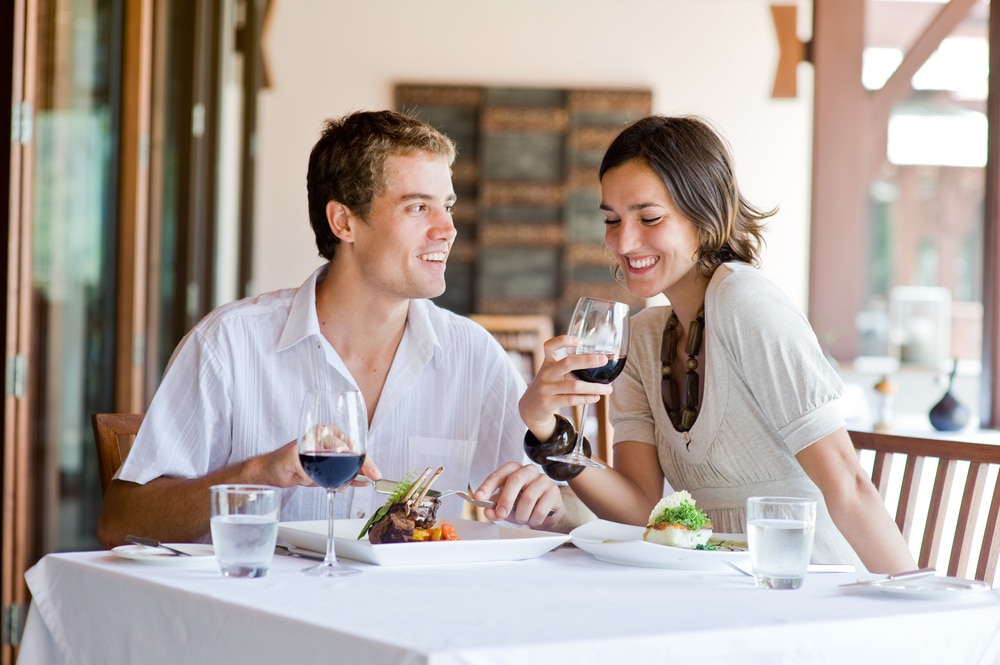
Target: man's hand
(282, 468)
(523, 495)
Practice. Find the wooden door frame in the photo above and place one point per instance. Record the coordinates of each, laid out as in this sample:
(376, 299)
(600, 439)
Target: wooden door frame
(133, 205)
(21, 67)
(21, 24)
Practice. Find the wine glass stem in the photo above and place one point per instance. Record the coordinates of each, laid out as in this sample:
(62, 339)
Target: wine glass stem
(578, 448)
(331, 556)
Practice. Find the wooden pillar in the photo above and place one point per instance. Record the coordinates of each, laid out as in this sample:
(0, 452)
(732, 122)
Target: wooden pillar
(989, 403)
(839, 210)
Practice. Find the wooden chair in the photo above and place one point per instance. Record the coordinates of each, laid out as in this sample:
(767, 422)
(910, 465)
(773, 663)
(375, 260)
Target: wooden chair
(945, 496)
(526, 335)
(114, 434)
(519, 334)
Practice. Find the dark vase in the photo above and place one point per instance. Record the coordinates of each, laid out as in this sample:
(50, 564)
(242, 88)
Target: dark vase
(949, 415)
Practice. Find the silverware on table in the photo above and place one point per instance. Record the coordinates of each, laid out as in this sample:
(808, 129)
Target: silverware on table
(149, 542)
(384, 486)
(909, 575)
(291, 550)
(739, 570)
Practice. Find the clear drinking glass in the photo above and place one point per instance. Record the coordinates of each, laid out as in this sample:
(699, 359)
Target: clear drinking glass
(780, 532)
(602, 326)
(244, 524)
(332, 431)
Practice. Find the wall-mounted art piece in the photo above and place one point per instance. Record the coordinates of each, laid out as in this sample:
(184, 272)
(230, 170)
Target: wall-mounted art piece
(530, 235)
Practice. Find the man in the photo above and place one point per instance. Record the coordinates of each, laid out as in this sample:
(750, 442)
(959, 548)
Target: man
(439, 390)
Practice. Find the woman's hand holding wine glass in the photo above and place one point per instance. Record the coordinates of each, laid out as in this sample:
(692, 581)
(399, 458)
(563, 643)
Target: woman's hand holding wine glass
(331, 445)
(602, 327)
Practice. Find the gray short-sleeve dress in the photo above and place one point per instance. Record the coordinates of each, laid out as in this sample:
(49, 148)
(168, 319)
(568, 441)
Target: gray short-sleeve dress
(769, 392)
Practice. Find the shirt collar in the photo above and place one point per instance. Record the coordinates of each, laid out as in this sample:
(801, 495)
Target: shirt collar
(422, 334)
(303, 321)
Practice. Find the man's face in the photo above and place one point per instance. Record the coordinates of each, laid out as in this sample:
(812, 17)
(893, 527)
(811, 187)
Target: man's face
(404, 242)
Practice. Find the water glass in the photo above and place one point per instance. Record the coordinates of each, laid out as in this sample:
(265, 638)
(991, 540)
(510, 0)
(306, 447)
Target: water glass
(780, 532)
(244, 528)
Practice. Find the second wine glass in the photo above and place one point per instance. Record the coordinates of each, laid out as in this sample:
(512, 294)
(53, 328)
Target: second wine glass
(602, 326)
(332, 431)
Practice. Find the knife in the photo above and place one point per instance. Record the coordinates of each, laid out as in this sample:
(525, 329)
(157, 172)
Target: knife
(909, 575)
(149, 542)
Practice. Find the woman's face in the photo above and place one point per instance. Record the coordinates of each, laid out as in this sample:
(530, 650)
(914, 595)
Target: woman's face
(653, 242)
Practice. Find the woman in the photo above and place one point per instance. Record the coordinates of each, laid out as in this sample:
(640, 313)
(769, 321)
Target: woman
(726, 392)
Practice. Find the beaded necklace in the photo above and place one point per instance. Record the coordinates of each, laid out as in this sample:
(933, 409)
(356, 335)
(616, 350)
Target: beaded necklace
(682, 412)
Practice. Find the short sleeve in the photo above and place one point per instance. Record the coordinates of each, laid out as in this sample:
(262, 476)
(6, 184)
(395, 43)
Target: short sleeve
(776, 352)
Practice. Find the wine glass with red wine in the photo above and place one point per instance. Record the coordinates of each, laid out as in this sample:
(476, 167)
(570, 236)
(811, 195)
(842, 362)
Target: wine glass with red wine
(602, 327)
(332, 431)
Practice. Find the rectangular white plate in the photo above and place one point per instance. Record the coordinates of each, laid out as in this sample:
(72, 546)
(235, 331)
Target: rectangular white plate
(623, 544)
(479, 541)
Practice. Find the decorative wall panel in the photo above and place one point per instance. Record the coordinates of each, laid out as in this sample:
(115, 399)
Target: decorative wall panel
(530, 236)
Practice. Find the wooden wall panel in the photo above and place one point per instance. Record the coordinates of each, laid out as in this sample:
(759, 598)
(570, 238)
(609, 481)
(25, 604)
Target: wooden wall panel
(530, 236)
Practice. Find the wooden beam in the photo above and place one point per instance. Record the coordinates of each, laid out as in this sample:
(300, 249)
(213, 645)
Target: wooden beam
(839, 203)
(989, 403)
(791, 51)
(899, 85)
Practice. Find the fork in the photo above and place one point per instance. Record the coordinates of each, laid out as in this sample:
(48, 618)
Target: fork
(384, 486)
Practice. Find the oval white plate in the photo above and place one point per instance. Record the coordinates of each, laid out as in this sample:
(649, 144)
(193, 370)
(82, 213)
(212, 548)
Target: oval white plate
(932, 588)
(201, 555)
(623, 544)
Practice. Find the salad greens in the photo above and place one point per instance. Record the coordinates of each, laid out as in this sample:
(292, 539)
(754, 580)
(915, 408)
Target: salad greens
(402, 487)
(685, 514)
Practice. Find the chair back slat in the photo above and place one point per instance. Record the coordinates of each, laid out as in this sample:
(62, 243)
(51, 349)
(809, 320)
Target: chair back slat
(947, 498)
(968, 514)
(913, 468)
(944, 476)
(880, 472)
(989, 553)
(114, 434)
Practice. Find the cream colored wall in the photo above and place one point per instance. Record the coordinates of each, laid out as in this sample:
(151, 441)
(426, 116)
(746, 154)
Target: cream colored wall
(715, 58)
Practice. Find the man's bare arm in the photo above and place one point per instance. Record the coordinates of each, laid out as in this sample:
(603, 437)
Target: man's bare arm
(177, 509)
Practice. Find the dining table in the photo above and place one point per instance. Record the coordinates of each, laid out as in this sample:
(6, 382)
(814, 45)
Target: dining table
(563, 605)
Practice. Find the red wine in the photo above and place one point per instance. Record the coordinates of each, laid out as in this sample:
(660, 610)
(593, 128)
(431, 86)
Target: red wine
(331, 469)
(603, 374)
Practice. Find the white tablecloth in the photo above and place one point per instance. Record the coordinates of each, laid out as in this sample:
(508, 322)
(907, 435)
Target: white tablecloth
(564, 607)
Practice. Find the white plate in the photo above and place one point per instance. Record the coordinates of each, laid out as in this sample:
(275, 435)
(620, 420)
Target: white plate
(623, 544)
(931, 588)
(479, 541)
(201, 555)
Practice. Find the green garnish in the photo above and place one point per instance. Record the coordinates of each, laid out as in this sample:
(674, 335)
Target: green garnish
(402, 487)
(706, 546)
(685, 514)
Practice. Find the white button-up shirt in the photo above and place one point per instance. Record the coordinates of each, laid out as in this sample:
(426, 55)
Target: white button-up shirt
(234, 387)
